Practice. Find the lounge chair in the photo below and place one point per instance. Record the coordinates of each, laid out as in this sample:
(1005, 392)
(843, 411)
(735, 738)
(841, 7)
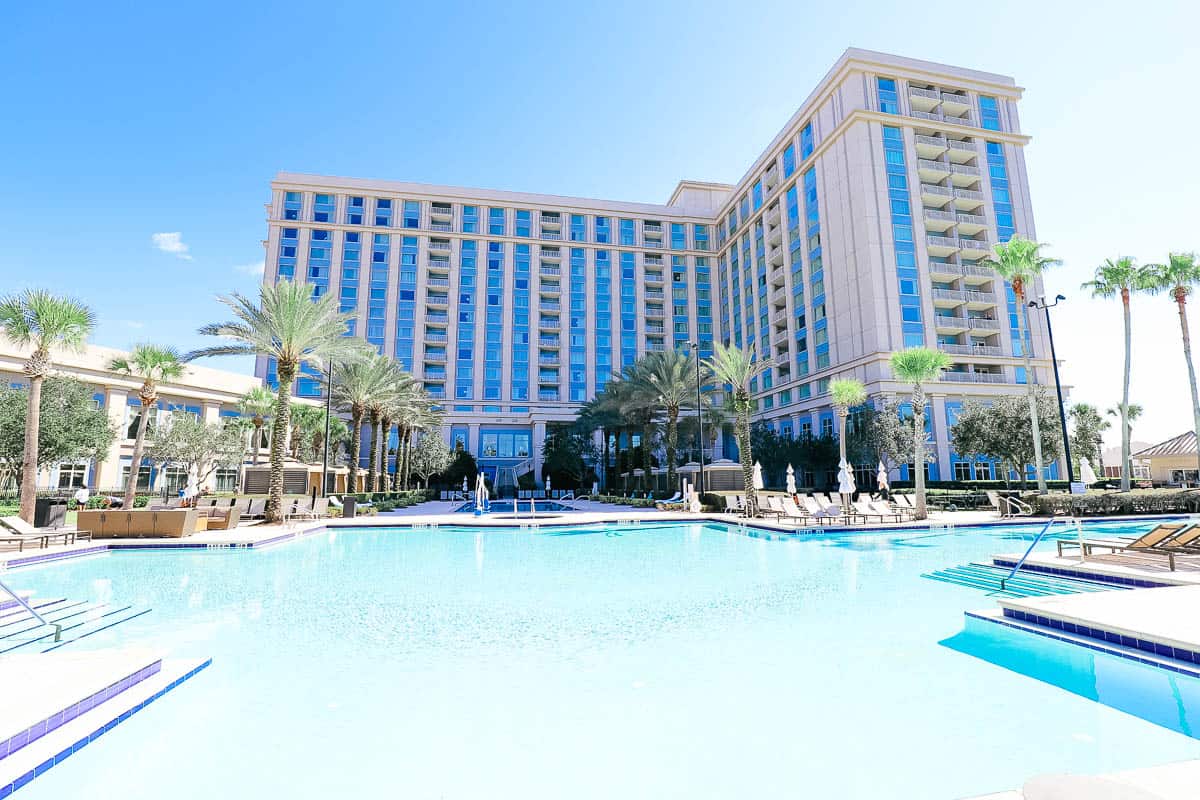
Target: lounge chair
(791, 511)
(815, 509)
(1156, 540)
(865, 510)
(257, 509)
(884, 507)
(1187, 541)
(22, 531)
(731, 504)
(1008, 506)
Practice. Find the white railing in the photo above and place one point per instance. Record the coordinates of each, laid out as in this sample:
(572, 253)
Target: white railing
(973, 377)
(935, 166)
(942, 241)
(983, 324)
(949, 294)
(930, 94)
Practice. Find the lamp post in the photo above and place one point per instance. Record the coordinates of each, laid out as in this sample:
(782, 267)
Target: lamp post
(699, 419)
(325, 449)
(1062, 409)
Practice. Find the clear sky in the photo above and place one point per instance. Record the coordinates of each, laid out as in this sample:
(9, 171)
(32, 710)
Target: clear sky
(123, 123)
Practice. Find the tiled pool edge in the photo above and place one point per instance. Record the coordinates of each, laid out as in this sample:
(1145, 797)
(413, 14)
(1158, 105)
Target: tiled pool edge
(1101, 644)
(84, 741)
(1090, 575)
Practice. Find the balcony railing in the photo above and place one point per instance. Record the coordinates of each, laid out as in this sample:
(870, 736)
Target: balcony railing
(970, 219)
(965, 169)
(436, 245)
(974, 244)
(954, 97)
(981, 297)
(938, 268)
(655, 329)
(933, 141)
(436, 358)
(440, 227)
(549, 324)
(966, 147)
(430, 336)
(549, 341)
(933, 213)
(969, 194)
(971, 349)
(548, 270)
(973, 377)
(438, 281)
(949, 294)
(983, 272)
(929, 188)
(655, 347)
(441, 211)
(652, 227)
(550, 236)
(930, 94)
(932, 166)
(649, 243)
(929, 115)
(941, 241)
(983, 324)
(551, 360)
(440, 264)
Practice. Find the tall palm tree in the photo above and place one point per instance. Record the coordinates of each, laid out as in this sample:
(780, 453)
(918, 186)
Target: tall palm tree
(415, 414)
(1178, 276)
(1128, 414)
(667, 379)
(292, 327)
(43, 322)
(599, 414)
(637, 407)
(918, 366)
(153, 364)
(355, 385)
(379, 408)
(1122, 277)
(257, 405)
(846, 393)
(1020, 262)
(737, 368)
(305, 421)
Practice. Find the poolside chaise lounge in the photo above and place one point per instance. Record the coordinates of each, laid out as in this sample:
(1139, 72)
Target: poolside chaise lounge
(865, 510)
(20, 531)
(1155, 541)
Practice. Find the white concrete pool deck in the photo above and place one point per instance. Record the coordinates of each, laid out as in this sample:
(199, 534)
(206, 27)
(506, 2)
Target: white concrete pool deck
(1175, 781)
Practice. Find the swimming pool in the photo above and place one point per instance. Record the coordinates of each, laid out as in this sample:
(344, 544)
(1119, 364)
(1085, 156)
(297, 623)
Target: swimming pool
(506, 507)
(592, 662)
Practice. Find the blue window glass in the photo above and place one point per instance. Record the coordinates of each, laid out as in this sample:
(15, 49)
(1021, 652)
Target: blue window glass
(496, 221)
(989, 113)
(578, 228)
(789, 160)
(470, 219)
(806, 141)
(889, 98)
(603, 234)
(524, 222)
(678, 236)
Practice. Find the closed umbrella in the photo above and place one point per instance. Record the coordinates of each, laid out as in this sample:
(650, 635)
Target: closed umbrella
(846, 486)
(547, 485)
(881, 477)
(1086, 473)
(758, 479)
(791, 480)
(193, 484)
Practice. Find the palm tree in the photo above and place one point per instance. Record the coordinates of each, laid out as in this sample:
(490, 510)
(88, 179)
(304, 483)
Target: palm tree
(1020, 262)
(43, 322)
(153, 364)
(257, 405)
(918, 366)
(1089, 426)
(668, 379)
(598, 414)
(1178, 276)
(846, 393)
(355, 385)
(379, 406)
(1128, 414)
(639, 409)
(305, 421)
(737, 368)
(415, 413)
(1121, 276)
(293, 328)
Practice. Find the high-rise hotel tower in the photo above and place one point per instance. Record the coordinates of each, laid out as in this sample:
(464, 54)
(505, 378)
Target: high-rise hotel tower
(859, 231)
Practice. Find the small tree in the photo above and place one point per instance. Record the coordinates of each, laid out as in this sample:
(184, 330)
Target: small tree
(72, 427)
(565, 455)
(256, 405)
(462, 466)
(1002, 431)
(1087, 435)
(152, 364)
(187, 442)
(429, 456)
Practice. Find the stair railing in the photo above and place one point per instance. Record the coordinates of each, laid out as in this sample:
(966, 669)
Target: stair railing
(21, 602)
(1028, 550)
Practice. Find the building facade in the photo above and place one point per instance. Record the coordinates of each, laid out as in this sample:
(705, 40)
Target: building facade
(205, 393)
(859, 231)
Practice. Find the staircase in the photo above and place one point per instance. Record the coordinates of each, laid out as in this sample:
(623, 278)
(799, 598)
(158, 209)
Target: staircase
(987, 578)
(20, 632)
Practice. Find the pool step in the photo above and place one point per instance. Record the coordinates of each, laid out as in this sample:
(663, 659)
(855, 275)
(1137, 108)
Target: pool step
(1024, 583)
(21, 632)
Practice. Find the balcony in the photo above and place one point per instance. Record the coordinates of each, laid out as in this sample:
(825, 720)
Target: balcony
(439, 264)
(437, 300)
(655, 346)
(440, 227)
(549, 342)
(930, 146)
(932, 170)
(936, 196)
(550, 220)
(944, 272)
(652, 227)
(975, 249)
(973, 377)
(549, 324)
(546, 396)
(971, 349)
(783, 359)
(932, 116)
(654, 313)
(770, 177)
(439, 244)
(435, 358)
(652, 243)
(549, 288)
(549, 360)
(970, 224)
(441, 211)
(923, 99)
(441, 319)
(964, 119)
(939, 221)
(941, 245)
(948, 298)
(776, 255)
(779, 295)
(437, 281)
(434, 337)
(550, 254)
(780, 318)
(549, 270)
(949, 324)
(961, 152)
(968, 199)
(548, 305)
(651, 328)
(772, 215)
(973, 273)
(652, 260)
(980, 299)
(654, 294)
(955, 102)
(654, 277)
(548, 379)
(552, 236)
(963, 175)
(983, 324)
(775, 234)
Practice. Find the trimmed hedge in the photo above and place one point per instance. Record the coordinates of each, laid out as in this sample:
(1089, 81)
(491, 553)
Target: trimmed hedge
(636, 502)
(1138, 501)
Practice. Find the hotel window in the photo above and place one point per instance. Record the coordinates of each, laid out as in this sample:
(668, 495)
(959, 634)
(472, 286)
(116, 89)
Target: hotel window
(806, 142)
(603, 234)
(627, 232)
(72, 476)
(470, 219)
(789, 160)
(678, 236)
(291, 205)
(989, 113)
(496, 221)
(700, 236)
(889, 99)
(383, 212)
(412, 214)
(578, 228)
(757, 193)
(744, 207)
(524, 222)
(323, 208)
(354, 211)
(225, 480)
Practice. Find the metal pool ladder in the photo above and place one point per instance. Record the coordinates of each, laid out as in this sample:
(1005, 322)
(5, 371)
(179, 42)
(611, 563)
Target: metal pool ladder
(21, 601)
(1034, 544)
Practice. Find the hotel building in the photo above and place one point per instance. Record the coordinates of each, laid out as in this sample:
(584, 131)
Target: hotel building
(858, 231)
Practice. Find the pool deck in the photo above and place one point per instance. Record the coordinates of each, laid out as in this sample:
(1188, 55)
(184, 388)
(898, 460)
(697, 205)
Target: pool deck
(1175, 781)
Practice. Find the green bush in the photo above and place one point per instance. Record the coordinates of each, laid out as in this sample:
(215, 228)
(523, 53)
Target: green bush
(1138, 501)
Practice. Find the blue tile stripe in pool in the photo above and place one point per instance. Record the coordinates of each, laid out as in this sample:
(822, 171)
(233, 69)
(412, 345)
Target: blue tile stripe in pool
(1111, 637)
(44, 726)
(84, 741)
(1121, 652)
(1082, 573)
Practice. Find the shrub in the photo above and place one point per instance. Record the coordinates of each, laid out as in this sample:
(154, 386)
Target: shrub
(1138, 501)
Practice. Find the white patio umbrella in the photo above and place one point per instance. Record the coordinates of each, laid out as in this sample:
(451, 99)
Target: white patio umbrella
(1086, 473)
(547, 484)
(758, 478)
(882, 478)
(193, 483)
(464, 484)
(791, 480)
(846, 485)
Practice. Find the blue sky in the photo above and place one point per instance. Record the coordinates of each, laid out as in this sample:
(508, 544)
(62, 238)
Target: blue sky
(174, 118)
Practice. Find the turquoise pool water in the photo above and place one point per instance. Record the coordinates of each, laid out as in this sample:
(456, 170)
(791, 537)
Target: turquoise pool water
(651, 662)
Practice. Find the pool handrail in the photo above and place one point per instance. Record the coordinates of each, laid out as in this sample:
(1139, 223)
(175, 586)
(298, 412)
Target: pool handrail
(21, 601)
(1029, 550)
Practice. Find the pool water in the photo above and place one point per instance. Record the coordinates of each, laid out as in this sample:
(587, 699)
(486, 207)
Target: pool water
(506, 507)
(656, 661)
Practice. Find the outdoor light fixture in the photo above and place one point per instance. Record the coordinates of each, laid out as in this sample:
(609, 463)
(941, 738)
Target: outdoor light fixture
(1062, 409)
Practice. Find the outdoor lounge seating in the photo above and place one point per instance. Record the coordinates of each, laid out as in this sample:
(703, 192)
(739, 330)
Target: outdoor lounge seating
(15, 529)
(1155, 541)
(865, 510)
